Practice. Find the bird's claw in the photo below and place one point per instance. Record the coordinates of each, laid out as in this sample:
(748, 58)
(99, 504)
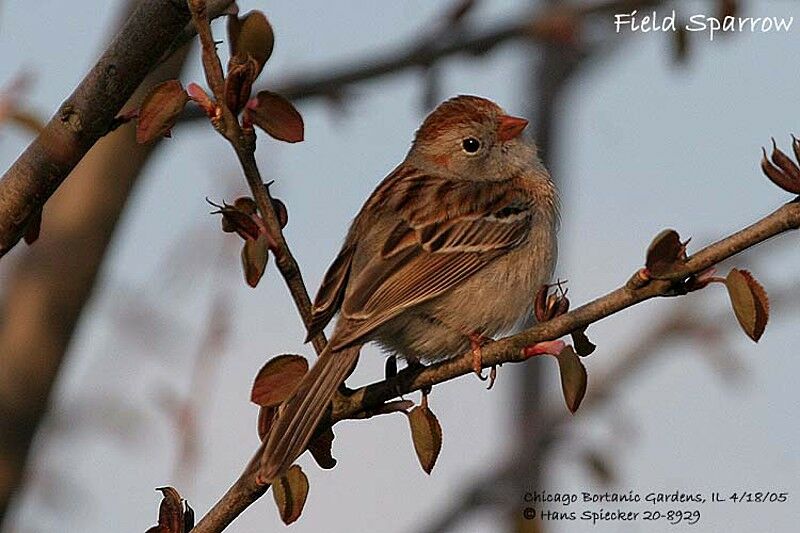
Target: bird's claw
(477, 341)
(492, 377)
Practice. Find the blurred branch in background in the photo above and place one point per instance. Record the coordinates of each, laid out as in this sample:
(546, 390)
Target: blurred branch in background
(554, 25)
(50, 283)
(88, 114)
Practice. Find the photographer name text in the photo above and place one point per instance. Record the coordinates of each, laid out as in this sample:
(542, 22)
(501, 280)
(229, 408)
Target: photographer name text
(653, 22)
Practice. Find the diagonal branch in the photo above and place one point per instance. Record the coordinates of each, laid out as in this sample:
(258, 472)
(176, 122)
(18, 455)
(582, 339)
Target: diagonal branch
(247, 489)
(510, 349)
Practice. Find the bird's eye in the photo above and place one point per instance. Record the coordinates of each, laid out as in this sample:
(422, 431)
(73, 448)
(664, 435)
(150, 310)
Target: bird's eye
(471, 145)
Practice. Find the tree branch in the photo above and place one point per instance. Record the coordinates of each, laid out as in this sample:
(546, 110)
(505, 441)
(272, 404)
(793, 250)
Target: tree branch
(243, 142)
(87, 114)
(543, 28)
(247, 489)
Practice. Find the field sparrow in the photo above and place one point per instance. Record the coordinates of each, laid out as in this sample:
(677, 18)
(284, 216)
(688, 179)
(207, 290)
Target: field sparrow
(449, 249)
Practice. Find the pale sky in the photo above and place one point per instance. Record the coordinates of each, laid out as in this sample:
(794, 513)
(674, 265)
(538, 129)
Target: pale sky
(644, 145)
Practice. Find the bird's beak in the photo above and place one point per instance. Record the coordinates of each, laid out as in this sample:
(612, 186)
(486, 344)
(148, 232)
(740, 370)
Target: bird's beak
(510, 127)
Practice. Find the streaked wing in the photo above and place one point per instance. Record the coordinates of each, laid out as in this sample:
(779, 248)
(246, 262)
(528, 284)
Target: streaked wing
(425, 256)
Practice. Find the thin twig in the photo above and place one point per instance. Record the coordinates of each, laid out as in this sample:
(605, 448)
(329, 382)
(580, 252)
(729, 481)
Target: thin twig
(243, 142)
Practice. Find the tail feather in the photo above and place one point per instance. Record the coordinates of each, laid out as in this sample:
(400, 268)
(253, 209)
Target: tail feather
(299, 417)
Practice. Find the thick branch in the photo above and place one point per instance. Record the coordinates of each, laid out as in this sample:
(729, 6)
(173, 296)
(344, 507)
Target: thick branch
(87, 114)
(51, 282)
(509, 350)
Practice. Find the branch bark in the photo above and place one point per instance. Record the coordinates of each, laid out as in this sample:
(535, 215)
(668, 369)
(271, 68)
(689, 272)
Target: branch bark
(246, 489)
(87, 114)
(52, 281)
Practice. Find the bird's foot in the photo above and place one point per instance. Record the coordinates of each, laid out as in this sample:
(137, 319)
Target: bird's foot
(546, 347)
(476, 341)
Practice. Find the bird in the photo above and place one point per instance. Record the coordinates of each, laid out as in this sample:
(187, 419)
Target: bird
(448, 251)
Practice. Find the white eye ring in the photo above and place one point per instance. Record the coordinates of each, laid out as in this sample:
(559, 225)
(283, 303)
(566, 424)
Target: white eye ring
(471, 145)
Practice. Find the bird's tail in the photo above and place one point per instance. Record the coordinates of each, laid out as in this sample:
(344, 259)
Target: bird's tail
(300, 415)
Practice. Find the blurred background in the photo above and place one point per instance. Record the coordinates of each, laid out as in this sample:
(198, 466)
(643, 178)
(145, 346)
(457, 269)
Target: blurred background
(134, 339)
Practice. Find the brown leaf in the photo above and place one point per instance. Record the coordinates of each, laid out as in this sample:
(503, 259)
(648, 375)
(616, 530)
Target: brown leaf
(573, 378)
(290, 493)
(246, 205)
(320, 449)
(749, 301)
(240, 217)
(785, 163)
(583, 346)
(188, 517)
(426, 434)
(251, 35)
(782, 171)
(255, 254)
(170, 512)
(665, 253)
(281, 212)
(239, 82)
(159, 110)
(277, 116)
(540, 304)
(201, 98)
(277, 379)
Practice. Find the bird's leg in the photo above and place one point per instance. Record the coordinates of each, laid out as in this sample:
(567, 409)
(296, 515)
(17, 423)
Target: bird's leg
(476, 341)
(545, 347)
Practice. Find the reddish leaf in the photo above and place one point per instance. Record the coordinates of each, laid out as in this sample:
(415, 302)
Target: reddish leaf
(239, 82)
(665, 253)
(172, 518)
(251, 35)
(277, 379)
(320, 449)
(239, 218)
(201, 98)
(281, 212)
(749, 301)
(277, 116)
(290, 493)
(255, 254)
(548, 306)
(159, 110)
(170, 513)
(573, 378)
(782, 171)
(426, 433)
(246, 205)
